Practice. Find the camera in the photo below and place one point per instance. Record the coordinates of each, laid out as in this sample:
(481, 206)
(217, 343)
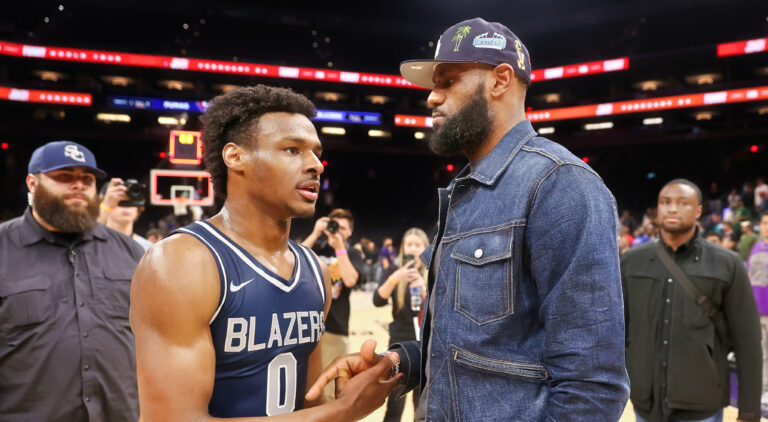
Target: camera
(332, 226)
(137, 193)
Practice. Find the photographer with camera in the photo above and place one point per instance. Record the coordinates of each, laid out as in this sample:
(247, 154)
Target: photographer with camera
(403, 281)
(67, 349)
(121, 205)
(330, 241)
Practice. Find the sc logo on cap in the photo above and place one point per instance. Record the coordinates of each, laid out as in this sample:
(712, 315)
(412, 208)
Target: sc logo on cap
(72, 152)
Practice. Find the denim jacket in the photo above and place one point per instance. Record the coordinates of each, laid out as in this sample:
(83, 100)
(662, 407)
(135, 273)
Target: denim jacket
(527, 323)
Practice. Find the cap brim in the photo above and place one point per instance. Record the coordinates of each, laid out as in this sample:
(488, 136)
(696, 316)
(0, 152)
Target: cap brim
(100, 174)
(422, 72)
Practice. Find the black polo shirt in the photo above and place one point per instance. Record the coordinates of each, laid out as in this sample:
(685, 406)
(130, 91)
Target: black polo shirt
(66, 347)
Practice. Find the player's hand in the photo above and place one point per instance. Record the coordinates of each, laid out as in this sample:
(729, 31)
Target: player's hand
(343, 368)
(116, 192)
(320, 225)
(335, 240)
(367, 391)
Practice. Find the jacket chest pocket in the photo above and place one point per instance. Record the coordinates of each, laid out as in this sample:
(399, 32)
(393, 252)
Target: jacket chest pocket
(484, 276)
(24, 304)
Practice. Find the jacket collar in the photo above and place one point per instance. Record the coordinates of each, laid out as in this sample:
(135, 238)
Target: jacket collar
(691, 244)
(33, 232)
(488, 169)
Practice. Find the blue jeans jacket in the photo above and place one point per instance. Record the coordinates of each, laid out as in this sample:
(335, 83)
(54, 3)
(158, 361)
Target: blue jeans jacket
(528, 319)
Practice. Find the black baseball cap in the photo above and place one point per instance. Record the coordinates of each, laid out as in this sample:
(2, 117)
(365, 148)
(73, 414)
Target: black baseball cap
(471, 41)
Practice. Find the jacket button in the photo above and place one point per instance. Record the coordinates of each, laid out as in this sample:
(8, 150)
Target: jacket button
(669, 280)
(478, 253)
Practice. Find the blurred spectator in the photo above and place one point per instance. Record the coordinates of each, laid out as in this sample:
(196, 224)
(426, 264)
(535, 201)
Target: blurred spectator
(346, 266)
(714, 238)
(153, 235)
(67, 349)
(649, 217)
(747, 240)
(757, 266)
(623, 243)
(120, 218)
(733, 197)
(714, 200)
(748, 195)
(628, 220)
(387, 253)
(624, 231)
(761, 195)
(713, 223)
(397, 283)
(729, 242)
(642, 235)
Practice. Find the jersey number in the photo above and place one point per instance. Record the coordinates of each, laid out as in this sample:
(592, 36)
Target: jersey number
(282, 363)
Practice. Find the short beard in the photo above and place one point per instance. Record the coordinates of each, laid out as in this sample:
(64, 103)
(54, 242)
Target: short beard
(466, 130)
(677, 230)
(55, 212)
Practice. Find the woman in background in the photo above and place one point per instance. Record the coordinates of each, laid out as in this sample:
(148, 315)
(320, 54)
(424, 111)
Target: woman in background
(404, 282)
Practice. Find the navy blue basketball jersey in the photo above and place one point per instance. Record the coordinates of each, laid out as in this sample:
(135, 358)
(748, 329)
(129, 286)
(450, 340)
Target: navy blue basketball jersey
(264, 329)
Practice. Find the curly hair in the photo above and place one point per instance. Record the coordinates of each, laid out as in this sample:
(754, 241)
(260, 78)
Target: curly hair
(231, 116)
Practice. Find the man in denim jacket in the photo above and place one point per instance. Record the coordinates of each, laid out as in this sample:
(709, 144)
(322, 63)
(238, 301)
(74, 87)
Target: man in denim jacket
(524, 319)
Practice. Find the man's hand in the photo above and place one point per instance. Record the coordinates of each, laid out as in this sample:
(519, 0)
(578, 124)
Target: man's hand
(335, 240)
(344, 368)
(116, 192)
(320, 225)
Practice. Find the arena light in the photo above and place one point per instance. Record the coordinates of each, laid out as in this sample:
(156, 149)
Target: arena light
(118, 80)
(270, 71)
(332, 130)
(598, 126)
(580, 69)
(738, 48)
(419, 135)
(168, 120)
(653, 121)
(344, 116)
(376, 133)
(412, 121)
(704, 115)
(49, 75)
(703, 79)
(546, 130)
(46, 97)
(113, 118)
(714, 98)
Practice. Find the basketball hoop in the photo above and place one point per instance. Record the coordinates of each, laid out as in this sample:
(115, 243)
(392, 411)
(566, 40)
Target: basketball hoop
(180, 205)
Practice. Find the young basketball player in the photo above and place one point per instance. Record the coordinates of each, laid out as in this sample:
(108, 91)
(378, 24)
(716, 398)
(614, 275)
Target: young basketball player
(227, 312)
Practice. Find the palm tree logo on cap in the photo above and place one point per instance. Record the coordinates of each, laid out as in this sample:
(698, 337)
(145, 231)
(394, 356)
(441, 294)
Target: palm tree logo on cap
(461, 33)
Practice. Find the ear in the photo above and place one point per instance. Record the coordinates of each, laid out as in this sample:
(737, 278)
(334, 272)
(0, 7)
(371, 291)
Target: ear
(698, 212)
(32, 182)
(503, 80)
(233, 156)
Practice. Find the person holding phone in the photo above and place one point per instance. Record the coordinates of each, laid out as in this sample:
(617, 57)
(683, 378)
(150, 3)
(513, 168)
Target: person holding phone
(404, 283)
(330, 241)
